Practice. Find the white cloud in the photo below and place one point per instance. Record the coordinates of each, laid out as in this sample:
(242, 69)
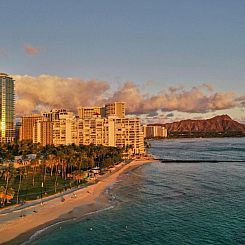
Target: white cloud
(46, 91)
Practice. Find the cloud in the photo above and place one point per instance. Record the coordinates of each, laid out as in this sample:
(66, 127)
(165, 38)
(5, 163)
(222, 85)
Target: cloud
(30, 50)
(45, 92)
(241, 100)
(196, 99)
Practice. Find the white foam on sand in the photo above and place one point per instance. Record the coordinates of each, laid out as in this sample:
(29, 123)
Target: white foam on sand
(39, 232)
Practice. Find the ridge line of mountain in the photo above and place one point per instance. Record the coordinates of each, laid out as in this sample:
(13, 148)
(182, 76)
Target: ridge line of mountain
(218, 126)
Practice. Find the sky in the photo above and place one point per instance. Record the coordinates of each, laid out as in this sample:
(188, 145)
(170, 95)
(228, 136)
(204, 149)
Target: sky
(167, 59)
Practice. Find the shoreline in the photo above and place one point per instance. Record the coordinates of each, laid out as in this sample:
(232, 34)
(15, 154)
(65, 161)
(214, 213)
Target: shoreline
(88, 200)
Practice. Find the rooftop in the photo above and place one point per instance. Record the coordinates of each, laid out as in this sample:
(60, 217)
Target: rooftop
(3, 74)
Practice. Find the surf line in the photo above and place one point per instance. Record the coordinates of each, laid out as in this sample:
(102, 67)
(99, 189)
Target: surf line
(39, 232)
(197, 161)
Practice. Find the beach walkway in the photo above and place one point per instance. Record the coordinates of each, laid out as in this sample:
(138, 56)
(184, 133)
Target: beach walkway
(90, 198)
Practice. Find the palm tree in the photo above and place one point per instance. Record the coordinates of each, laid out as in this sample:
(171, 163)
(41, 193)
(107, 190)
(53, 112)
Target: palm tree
(7, 176)
(21, 173)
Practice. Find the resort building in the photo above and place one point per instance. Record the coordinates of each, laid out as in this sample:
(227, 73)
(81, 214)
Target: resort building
(92, 131)
(17, 131)
(155, 131)
(116, 109)
(55, 114)
(91, 112)
(108, 126)
(64, 129)
(112, 131)
(27, 124)
(92, 126)
(43, 132)
(128, 134)
(7, 99)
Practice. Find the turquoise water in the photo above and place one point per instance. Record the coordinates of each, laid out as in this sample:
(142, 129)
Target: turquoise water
(173, 203)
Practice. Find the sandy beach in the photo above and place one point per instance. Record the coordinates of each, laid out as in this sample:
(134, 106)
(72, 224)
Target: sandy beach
(85, 201)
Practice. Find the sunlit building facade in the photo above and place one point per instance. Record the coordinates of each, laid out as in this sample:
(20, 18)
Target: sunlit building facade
(91, 126)
(27, 124)
(43, 132)
(87, 112)
(65, 130)
(116, 109)
(155, 131)
(111, 131)
(7, 106)
(55, 114)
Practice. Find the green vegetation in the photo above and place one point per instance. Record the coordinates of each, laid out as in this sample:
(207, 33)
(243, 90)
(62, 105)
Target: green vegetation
(51, 170)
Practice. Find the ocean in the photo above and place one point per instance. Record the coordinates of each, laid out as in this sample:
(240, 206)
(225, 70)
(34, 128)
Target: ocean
(170, 203)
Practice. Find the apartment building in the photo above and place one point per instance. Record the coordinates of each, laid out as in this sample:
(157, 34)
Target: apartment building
(60, 127)
(65, 130)
(7, 101)
(154, 131)
(27, 124)
(43, 132)
(55, 114)
(116, 109)
(128, 134)
(92, 131)
(112, 131)
(91, 112)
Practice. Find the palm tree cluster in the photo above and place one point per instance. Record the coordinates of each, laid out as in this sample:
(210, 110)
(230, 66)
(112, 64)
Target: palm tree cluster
(52, 170)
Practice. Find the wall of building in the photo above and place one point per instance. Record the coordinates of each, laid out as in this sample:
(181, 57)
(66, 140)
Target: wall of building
(62, 128)
(27, 124)
(7, 101)
(154, 131)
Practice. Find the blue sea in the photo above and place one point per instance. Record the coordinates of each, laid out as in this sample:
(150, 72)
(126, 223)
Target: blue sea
(170, 203)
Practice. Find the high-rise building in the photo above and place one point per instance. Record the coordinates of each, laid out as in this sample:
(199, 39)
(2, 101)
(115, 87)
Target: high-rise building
(92, 126)
(55, 114)
(86, 112)
(7, 99)
(154, 131)
(17, 131)
(65, 130)
(116, 109)
(92, 131)
(43, 132)
(112, 131)
(127, 132)
(27, 124)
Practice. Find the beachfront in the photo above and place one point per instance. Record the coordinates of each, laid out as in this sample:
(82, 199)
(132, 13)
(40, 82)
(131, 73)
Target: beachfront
(80, 202)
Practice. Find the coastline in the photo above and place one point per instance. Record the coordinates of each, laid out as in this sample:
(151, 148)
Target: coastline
(88, 200)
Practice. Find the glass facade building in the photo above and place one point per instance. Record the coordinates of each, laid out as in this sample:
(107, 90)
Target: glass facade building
(7, 102)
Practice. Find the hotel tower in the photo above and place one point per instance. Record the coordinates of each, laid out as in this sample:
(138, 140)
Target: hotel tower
(6, 108)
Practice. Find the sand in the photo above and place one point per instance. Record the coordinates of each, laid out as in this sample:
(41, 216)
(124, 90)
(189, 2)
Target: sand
(87, 200)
